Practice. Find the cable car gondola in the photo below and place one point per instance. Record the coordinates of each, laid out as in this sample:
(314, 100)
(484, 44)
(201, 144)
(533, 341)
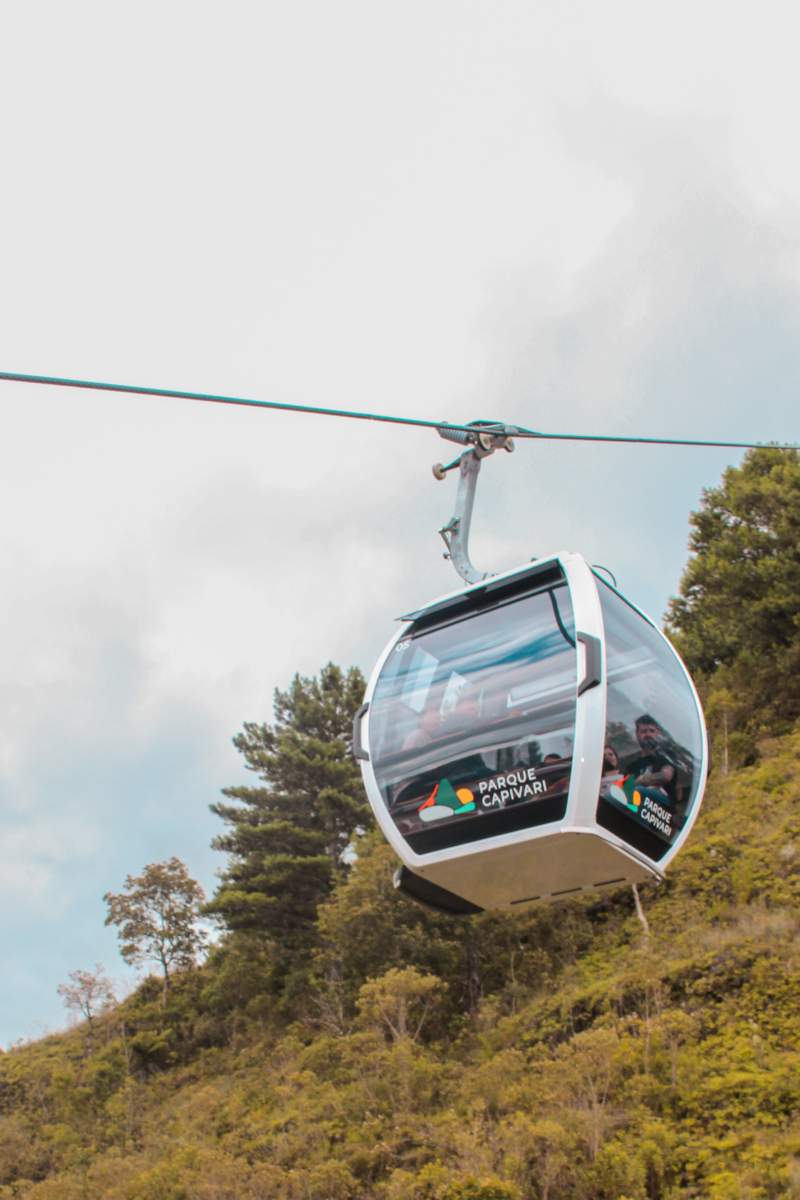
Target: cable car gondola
(530, 738)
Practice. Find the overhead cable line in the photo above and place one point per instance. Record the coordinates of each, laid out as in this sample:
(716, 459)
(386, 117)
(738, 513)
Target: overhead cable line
(488, 426)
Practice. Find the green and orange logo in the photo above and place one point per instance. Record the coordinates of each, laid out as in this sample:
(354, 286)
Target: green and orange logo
(444, 801)
(626, 793)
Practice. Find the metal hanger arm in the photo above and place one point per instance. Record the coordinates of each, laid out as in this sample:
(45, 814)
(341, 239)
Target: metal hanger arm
(487, 438)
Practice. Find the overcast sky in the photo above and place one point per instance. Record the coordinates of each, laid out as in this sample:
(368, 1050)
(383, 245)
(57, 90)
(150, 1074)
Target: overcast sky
(580, 217)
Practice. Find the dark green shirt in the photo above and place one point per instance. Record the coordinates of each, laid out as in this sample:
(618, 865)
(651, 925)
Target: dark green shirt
(653, 764)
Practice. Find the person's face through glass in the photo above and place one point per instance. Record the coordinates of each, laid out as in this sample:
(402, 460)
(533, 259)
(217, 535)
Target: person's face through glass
(467, 710)
(647, 736)
(610, 761)
(429, 723)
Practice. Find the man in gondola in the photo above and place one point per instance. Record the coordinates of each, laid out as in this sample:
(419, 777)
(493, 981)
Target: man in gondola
(651, 768)
(428, 730)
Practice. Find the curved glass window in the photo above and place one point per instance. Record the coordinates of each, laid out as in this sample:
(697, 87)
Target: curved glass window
(653, 749)
(471, 726)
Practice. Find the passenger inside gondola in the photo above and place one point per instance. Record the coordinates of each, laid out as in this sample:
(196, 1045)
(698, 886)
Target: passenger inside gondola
(427, 731)
(611, 765)
(651, 768)
(463, 717)
(555, 771)
(646, 783)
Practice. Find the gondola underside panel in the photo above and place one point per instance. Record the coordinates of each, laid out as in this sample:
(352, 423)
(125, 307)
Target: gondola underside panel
(538, 870)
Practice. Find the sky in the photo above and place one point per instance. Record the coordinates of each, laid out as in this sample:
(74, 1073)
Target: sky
(580, 218)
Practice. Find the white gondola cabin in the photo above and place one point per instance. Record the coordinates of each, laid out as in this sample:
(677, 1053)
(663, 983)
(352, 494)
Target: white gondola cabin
(532, 737)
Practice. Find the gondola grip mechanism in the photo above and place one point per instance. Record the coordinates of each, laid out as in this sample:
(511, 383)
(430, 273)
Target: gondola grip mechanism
(593, 676)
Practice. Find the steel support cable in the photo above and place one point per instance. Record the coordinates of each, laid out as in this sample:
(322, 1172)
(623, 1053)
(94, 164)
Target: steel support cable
(488, 426)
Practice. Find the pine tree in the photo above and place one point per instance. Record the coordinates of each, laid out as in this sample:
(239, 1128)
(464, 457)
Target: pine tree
(287, 837)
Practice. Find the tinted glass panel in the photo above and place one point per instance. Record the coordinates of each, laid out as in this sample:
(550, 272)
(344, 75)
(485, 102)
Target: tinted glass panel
(653, 734)
(471, 726)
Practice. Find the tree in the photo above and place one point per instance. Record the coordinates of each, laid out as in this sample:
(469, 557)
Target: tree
(156, 914)
(287, 837)
(399, 1003)
(737, 619)
(400, 1000)
(88, 995)
(366, 927)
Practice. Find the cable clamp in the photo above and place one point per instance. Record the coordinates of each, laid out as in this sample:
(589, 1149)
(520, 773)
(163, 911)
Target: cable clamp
(484, 436)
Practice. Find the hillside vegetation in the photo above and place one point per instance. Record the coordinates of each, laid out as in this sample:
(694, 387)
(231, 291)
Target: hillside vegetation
(596, 1061)
(342, 1043)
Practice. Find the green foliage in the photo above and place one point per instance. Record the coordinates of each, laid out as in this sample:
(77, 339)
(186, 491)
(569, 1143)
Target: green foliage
(365, 931)
(400, 1000)
(594, 1065)
(737, 619)
(156, 915)
(286, 838)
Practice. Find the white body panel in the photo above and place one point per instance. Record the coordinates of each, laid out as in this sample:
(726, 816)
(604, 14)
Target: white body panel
(543, 863)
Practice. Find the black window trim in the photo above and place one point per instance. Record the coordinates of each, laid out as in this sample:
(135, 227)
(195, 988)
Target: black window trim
(486, 596)
(561, 626)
